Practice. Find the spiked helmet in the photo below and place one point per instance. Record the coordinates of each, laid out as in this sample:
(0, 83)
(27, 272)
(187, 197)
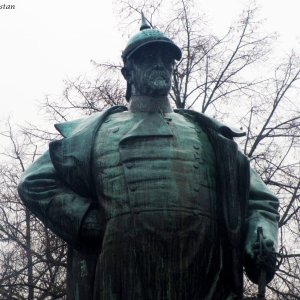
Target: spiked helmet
(146, 36)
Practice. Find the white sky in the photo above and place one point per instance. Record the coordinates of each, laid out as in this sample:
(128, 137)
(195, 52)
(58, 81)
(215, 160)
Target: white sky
(43, 42)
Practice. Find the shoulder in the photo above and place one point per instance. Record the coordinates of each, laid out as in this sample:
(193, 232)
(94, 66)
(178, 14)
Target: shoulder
(70, 128)
(212, 123)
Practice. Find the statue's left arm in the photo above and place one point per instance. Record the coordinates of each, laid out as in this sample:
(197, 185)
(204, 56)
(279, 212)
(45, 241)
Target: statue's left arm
(262, 212)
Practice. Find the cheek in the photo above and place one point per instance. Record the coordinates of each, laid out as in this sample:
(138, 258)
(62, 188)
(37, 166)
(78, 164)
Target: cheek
(142, 76)
(139, 72)
(170, 70)
(140, 80)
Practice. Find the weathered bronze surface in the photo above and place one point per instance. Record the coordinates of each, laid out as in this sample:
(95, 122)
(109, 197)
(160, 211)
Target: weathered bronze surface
(155, 203)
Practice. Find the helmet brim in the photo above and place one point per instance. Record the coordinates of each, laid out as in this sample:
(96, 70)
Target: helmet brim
(176, 52)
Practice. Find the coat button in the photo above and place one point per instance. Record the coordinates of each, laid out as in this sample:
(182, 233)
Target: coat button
(197, 156)
(115, 130)
(196, 147)
(132, 187)
(196, 165)
(129, 165)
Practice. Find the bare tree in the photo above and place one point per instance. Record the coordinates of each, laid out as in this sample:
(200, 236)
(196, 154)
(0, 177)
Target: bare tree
(32, 259)
(82, 96)
(212, 69)
(217, 75)
(272, 144)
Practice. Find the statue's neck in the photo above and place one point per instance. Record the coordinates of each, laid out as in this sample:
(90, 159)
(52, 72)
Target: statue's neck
(149, 104)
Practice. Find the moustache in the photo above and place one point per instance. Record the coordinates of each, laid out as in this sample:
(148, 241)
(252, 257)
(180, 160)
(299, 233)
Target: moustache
(158, 73)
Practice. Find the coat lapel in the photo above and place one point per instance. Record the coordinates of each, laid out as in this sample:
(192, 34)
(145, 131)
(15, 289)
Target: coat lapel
(72, 156)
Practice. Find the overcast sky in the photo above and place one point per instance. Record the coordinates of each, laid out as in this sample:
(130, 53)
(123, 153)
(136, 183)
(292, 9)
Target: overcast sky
(44, 42)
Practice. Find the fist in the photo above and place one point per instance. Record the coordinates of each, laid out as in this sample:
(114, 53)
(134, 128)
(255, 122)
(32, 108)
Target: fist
(260, 255)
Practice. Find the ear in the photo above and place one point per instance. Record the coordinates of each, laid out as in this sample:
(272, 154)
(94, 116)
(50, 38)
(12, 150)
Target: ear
(126, 72)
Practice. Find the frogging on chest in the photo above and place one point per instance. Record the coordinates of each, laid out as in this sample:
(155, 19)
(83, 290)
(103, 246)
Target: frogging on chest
(150, 161)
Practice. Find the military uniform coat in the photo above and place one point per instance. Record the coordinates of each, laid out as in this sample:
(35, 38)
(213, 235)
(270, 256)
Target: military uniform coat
(59, 188)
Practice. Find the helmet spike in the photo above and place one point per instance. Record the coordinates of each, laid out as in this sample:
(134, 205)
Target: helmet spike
(145, 24)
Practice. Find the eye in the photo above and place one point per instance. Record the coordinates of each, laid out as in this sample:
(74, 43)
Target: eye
(149, 56)
(168, 59)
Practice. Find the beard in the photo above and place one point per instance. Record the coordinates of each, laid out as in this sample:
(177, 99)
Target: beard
(159, 83)
(154, 83)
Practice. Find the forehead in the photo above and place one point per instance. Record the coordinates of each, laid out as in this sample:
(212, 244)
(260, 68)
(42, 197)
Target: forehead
(154, 48)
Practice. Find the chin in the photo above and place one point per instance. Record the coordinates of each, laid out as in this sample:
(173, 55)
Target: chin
(159, 92)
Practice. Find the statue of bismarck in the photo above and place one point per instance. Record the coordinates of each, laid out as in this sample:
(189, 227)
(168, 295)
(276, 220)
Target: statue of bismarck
(155, 204)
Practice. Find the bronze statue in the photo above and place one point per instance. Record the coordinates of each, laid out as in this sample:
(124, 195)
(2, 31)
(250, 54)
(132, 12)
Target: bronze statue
(155, 203)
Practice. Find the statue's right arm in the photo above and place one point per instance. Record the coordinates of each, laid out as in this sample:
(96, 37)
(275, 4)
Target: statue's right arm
(53, 201)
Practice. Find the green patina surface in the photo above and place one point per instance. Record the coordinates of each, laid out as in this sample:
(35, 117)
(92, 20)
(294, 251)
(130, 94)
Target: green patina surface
(154, 204)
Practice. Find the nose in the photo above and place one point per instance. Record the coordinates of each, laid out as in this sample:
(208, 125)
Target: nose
(158, 63)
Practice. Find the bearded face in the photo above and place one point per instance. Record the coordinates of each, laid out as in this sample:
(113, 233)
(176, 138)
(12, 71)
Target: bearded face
(151, 71)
